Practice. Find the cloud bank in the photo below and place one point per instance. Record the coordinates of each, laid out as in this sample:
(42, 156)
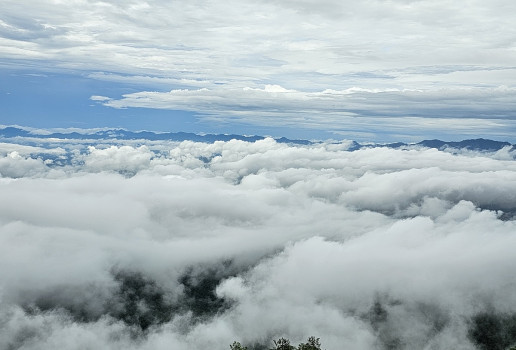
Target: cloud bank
(186, 245)
(352, 111)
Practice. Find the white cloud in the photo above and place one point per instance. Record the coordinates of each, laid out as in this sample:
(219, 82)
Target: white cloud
(99, 98)
(123, 159)
(15, 165)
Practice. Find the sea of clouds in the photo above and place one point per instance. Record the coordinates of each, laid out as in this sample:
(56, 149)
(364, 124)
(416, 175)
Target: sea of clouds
(184, 245)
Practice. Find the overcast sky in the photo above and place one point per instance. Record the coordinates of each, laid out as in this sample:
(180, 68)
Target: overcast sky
(376, 70)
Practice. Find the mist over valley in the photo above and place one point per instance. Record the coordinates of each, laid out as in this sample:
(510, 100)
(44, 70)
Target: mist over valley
(161, 244)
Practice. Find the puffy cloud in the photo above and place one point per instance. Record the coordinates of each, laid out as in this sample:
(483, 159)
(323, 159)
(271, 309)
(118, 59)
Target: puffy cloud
(124, 159)
(15, 165)
(195, 245)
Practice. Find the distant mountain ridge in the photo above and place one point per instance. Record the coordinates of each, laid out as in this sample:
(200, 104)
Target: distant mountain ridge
(480, 144)
(474, 144)
(122, 134)
(8, 132)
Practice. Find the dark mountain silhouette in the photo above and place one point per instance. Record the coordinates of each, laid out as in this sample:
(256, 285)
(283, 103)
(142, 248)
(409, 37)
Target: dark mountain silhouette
(483, 145)
(475, 144)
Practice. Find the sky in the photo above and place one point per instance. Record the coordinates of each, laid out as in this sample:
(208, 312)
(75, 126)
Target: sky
(159, 244)
(374, 70)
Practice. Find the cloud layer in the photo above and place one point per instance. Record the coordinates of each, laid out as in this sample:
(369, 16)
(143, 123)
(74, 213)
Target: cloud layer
(194, 245)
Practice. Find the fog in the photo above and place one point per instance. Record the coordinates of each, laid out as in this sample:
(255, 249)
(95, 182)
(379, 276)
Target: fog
(168, 245)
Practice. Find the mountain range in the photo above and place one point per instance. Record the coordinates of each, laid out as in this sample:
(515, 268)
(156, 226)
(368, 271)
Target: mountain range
(9, 132)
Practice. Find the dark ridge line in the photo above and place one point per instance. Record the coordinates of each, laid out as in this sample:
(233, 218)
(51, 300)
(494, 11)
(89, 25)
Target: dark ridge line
(480, 144)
